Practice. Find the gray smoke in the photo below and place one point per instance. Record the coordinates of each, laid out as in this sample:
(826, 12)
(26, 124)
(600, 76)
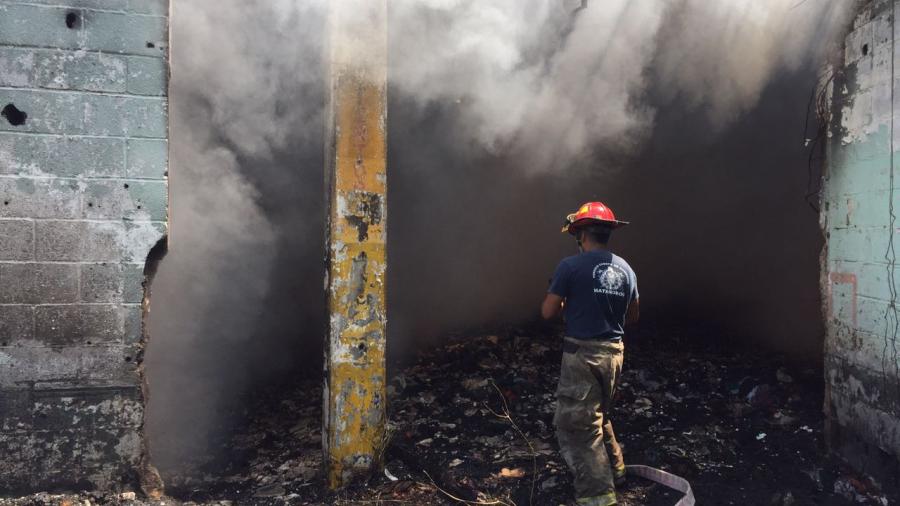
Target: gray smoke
(240, 286)
(503, 117)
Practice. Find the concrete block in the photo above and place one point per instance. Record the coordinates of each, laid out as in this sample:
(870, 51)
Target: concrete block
(15, 411)
(879, 428)
(154, 7)
(147, 76)
(147, 158)
(78, 365)
(123, 33)
(133, 314)
(59, 240)
(65, 70)
(55, 283)
(16, 325)
(31, 283)
(39, 198)
(860, 210)
(94, 72)
(103, 242)
(860, 167)
(41, 26)
(139, 239)
(16, 67)
(882, 103)
(112, 32)
(16, 240)
(868, 280)
(113, 452)
(101, 283)
(53, 112)
(133, 283)
(107, 115)
(858, 340)
(97, 366)
(79, 241)
(882, 29)
(84, 408)
(151, 200)
(78, 324)
(132, 200)
(62, 69)
(859, 245)
(61, 155)
(859, 41)
(16, 283)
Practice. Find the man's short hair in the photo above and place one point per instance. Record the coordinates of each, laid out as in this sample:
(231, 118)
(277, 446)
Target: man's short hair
(598, 233)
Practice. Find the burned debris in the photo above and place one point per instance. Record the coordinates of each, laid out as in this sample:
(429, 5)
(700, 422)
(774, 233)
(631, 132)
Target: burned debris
(472, 421)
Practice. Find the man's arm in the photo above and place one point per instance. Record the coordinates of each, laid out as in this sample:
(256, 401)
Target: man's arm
(633, 313)
(552, 306)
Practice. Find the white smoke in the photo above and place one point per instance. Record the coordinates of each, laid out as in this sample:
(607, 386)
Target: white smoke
(540, 84)
(549, 81)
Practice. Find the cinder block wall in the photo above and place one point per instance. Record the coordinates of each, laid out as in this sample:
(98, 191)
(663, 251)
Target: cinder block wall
(83, 199)
(859, 277)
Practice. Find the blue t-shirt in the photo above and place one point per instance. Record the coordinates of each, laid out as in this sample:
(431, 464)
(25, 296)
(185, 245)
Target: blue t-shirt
(598, 286)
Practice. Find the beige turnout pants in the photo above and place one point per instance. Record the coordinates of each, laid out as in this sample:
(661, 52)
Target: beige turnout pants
(587, 382)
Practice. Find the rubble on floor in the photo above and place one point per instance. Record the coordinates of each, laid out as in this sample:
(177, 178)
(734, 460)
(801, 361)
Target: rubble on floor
(472, 421)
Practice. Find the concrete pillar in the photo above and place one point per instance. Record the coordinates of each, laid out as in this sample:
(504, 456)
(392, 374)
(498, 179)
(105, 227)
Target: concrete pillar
(354, 411)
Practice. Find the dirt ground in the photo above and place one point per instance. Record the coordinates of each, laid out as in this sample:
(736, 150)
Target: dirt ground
(471, 422)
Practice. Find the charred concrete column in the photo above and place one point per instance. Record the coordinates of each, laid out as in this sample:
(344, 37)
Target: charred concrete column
(354, 413)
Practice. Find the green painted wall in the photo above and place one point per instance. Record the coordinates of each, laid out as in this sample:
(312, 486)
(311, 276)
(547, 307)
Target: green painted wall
(860, 275)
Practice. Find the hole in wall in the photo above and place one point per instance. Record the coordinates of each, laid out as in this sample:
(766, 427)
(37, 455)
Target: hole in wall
(72, 20)
(150, 45)
(865, 49)
(14, 115)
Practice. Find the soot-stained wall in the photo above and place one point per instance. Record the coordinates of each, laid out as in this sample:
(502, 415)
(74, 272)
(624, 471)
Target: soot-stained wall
(859, 277)
(83, 199)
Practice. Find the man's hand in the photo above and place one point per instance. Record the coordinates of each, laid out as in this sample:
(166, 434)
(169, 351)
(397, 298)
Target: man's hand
(552, 306)
(634, 312)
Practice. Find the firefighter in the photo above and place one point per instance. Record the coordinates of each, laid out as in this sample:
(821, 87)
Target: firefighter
(596, 292)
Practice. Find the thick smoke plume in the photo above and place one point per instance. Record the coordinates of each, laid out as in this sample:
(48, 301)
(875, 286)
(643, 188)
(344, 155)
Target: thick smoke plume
(503, 117)
(547, 82)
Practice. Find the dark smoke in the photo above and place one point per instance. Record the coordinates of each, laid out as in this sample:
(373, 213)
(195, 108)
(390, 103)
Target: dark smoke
(685, 116)
(237, 301)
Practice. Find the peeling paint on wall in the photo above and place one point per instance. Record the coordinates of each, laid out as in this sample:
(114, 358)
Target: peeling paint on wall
(859, 271)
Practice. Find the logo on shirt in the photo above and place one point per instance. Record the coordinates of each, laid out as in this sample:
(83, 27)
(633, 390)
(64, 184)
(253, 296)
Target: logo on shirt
(609, 279)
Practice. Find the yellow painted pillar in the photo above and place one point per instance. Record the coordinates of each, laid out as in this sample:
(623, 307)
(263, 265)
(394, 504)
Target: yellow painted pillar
(356, 182)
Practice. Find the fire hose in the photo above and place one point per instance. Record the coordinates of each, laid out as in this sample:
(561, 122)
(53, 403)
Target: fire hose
(665, 479)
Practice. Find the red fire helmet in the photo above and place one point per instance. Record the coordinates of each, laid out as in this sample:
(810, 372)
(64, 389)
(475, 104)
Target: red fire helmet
(596, 212)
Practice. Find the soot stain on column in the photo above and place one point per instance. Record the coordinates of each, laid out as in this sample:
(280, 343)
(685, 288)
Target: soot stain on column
(368, 212)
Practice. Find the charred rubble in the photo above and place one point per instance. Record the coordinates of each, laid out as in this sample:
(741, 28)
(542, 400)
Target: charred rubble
(471, 422)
